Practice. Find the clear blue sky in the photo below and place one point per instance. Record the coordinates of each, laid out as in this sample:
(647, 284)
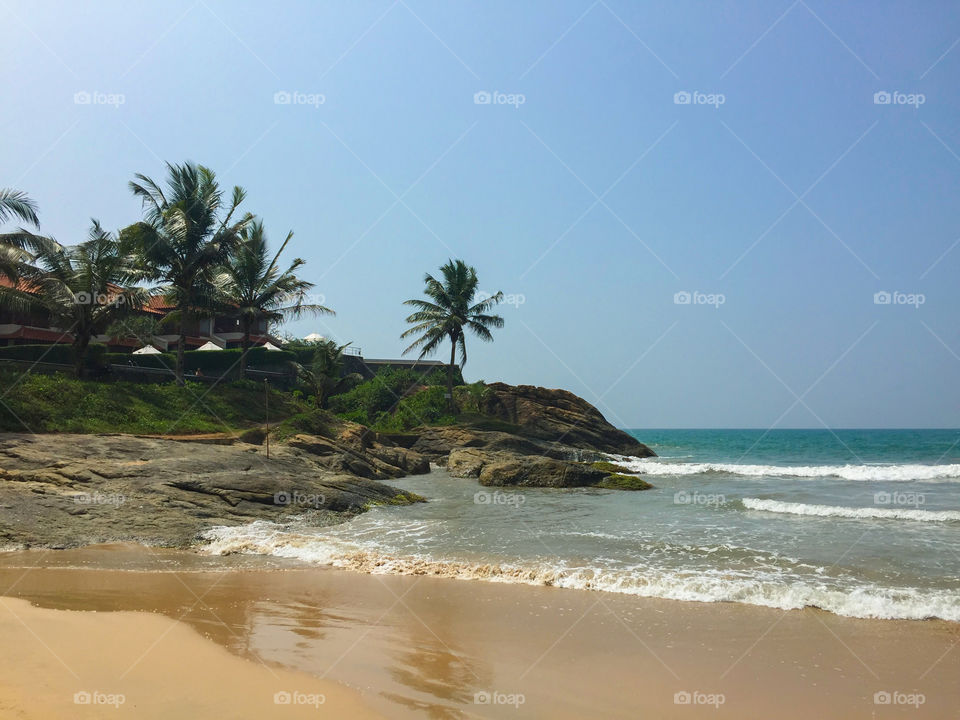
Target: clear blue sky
(597, 199)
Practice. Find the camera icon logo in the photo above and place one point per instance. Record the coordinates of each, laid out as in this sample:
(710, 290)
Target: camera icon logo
(82, 98)
(882, 498)
(482, 497)
(283, 497)
(281, 97)
(881, 98)
(681, 98)
(681, 698)
(681, 497)
(481, 698)
(82, 698)
(681, 298)
(282, 698)
(881, 697)
(482, 97)
(882, 298)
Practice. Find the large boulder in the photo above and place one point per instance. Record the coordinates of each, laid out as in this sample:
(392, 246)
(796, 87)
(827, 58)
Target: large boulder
(533, 471)
(559, 416)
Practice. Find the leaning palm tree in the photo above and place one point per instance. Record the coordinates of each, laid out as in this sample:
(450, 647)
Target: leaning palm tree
(448, 313)
(252, 287)
(187, 234)
(87, 287)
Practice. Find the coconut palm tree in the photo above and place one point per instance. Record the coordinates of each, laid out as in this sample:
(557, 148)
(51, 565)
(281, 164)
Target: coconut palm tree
(252, 286)
(448, 313)
(16, 203)
(87, 287)
(187, 234)
(17, 249)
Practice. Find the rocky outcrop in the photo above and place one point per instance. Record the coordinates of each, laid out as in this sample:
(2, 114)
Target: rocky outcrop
(558, 417)
(502, 468)
(67, 490)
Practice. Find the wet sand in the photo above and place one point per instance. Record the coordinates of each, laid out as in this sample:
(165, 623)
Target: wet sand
(233, 631)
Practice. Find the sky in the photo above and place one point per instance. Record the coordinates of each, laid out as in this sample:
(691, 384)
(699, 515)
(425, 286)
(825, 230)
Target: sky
(702, 214)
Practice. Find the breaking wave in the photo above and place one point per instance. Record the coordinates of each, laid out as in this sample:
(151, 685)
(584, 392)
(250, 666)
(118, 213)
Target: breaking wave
(792, 508)
(771, 590)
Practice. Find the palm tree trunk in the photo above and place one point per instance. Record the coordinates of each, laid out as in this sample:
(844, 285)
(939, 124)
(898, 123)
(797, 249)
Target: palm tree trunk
(245, 344)
(453, 355)
(79, 352)
(180, 347)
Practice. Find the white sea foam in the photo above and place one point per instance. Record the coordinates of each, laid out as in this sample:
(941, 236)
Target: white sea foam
(895, 473)
(792, 508)
(773, 589)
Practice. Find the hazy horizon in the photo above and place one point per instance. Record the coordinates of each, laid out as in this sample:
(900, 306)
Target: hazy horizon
(778, 166)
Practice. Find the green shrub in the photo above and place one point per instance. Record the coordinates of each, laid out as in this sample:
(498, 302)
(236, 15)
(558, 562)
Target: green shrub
(370, 399)
(61, 354)
(57, 403)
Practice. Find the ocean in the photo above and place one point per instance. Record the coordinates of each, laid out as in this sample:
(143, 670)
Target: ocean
(862, 523)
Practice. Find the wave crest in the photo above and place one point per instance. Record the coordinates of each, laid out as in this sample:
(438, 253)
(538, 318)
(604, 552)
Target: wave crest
(894, 473)
(865, 513)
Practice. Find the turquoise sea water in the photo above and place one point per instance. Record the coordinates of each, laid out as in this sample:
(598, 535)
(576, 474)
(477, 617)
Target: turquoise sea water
(863, 523)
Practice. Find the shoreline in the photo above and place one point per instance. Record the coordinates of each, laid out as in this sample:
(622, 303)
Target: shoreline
(413, 645)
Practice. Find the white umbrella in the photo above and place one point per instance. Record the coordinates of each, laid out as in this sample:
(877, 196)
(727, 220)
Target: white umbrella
(314, 337)
(147, 350)
(270, 346)
(209, 346)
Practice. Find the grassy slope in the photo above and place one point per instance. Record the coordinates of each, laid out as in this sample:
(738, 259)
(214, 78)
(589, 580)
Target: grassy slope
(54, 403)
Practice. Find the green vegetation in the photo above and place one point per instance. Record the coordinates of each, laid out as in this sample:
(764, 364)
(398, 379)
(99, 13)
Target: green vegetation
(447, 314)
(255, 290)
(55, 403)
(610, 467)
(623, 482)
(319, 368)
(186, 237)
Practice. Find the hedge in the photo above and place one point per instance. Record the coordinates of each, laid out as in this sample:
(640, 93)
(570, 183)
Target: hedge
(212, 362)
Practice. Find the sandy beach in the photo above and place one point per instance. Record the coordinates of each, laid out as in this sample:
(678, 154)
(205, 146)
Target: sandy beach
(180, 634)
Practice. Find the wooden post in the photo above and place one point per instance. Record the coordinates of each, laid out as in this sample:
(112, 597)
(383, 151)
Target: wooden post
(266, 411)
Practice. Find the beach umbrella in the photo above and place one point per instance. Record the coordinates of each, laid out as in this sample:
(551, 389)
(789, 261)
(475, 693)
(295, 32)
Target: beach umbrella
(209, 346)
(270, 346)
(314, 337)
(147, 350)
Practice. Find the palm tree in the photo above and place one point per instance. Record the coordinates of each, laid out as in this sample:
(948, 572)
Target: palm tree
(323, 373)
(448, 313)
(253, 288)
(187, 235)
(17, 204)
(17, 249)
(87, 287)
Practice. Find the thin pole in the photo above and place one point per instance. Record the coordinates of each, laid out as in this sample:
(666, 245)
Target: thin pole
(266, 411)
